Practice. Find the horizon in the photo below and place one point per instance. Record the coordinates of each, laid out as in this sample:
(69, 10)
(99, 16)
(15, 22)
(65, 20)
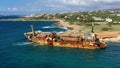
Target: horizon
(28, 7)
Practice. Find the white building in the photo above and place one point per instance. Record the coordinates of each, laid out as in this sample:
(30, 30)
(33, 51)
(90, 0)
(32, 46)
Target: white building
(97, 18)
(78, 18)
(108, 20)
(65, 17)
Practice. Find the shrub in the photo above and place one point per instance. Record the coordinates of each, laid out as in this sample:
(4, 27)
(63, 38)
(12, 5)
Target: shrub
(88, 24)
(106, 29)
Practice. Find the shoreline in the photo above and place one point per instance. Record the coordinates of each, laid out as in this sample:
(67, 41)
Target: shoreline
(74, 30)
(26, 20)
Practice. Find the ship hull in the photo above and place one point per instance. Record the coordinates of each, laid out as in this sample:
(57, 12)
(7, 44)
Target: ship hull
(63, 43)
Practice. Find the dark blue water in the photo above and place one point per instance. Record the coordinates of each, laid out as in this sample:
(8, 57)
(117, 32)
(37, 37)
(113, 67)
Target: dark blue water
(17, 52)
(9, 16)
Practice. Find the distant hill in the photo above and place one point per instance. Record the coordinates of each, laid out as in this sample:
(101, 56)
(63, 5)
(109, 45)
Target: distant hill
(73, 17)
(114, 9)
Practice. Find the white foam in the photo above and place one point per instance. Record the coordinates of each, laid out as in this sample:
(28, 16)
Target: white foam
(64, 28)
(22, 43)
(38, 31)
(60, 32)
(49, 27)
(46, 27)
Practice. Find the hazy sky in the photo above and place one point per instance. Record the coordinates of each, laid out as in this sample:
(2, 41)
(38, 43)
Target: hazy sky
(23, 7)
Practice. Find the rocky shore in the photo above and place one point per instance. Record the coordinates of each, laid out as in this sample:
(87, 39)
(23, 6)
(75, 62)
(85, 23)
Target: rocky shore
(74, 30)
(110, 36)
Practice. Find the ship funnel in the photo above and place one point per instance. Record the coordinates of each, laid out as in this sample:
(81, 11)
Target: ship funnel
(32, 28)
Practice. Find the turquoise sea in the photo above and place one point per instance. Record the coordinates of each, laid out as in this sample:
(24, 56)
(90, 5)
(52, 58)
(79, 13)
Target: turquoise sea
(17, 52)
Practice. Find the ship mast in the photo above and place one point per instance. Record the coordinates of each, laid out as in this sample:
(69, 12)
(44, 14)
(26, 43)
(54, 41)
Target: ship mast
(33, 32)
(92, 30)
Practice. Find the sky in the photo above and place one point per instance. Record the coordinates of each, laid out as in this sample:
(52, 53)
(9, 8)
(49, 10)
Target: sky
(27, 7)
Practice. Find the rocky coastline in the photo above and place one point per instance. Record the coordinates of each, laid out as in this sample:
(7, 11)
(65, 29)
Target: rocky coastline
(74, 30)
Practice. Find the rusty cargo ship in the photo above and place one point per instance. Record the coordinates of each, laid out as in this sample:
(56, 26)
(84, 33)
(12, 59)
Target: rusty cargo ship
(53, 39)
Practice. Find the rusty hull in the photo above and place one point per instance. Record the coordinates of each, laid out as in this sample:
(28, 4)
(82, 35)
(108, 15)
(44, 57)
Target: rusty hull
(63, 41)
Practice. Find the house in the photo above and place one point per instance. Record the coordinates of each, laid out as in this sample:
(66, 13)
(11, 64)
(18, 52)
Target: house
(108, 20)
(97, 18)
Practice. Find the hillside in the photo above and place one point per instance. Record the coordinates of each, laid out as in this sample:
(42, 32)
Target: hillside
(94, 16)
(110, 18)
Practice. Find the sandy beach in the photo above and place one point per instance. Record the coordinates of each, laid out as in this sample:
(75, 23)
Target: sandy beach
(74, 30)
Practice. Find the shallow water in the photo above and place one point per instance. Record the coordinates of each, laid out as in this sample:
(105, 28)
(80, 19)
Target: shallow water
(17, 52)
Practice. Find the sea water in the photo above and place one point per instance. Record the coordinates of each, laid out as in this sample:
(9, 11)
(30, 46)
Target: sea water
(17, 52)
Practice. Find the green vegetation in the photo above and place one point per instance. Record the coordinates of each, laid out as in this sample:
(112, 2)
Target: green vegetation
(78, 17)
(82, 18)
(106, 29)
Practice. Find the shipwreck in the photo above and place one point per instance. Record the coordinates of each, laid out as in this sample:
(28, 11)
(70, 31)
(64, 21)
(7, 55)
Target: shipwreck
(86, 41)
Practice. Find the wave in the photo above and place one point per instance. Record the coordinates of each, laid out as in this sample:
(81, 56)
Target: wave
(39, 31)
(46, 27)
(64, 28)
(60, 32)
(22, 43)
(49, 27)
